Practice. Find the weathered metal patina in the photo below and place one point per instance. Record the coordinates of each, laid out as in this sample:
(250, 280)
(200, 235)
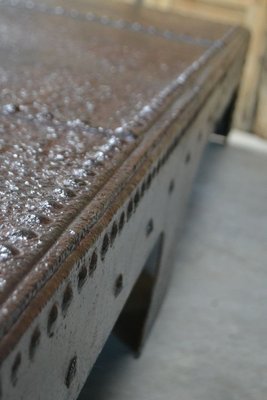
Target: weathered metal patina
(105, 110)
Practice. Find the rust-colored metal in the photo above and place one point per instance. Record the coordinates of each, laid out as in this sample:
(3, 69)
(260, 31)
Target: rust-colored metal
(92, 97)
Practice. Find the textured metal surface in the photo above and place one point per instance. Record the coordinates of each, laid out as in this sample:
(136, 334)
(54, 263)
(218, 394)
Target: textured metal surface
(134, 18)
(71, 98)
(63, 113)
(88, 111)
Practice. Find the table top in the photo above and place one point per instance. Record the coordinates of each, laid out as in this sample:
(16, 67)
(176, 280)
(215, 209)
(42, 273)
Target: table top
(80, 83)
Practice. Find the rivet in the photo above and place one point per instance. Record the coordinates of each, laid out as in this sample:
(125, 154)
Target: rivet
(71, 371)
(118, 285)
(35, 340)
(114, 232)
(67, 297)
(187, 158)
(82, 275)
(15, 368)
(105, 245)
(93, 263)
(149, 227)
(121, 222)
(52, 317)
(129, 210)
(171, 186)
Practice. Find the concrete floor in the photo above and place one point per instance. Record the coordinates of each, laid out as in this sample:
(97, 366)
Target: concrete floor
(210, 339)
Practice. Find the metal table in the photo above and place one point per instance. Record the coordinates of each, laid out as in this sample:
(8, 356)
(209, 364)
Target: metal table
(105, 111)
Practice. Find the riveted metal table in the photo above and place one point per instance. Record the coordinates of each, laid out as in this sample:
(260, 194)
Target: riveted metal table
(104, 113)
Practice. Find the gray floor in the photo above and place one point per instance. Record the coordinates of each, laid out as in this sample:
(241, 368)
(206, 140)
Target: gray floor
(210, 340)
